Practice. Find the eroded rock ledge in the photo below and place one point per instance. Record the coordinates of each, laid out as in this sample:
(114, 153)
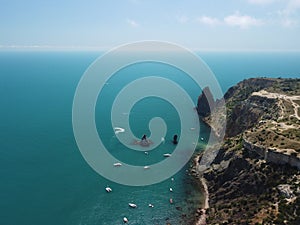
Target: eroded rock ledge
(277, 156)
(255, 178)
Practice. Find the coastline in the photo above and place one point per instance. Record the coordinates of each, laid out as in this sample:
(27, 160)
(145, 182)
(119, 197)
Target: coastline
(254, 177)
(202, 218)
(213, 129)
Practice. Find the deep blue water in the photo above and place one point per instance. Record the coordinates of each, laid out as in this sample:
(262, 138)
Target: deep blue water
(232, 67)
(45, 180)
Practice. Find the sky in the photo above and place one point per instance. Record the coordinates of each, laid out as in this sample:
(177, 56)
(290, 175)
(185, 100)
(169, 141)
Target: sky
(195, 24)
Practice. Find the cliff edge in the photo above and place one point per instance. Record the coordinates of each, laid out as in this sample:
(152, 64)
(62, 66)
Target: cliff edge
(255, 178)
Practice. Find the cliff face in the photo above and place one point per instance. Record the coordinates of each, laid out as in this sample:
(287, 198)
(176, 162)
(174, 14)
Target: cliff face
(245, 189)
(245, 110)
(206, 103)
(247, 113)
(273, 155)
(255, 177)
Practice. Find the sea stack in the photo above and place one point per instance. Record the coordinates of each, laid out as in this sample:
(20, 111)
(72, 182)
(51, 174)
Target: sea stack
(144, 141)
(206, 103)
(175, 142)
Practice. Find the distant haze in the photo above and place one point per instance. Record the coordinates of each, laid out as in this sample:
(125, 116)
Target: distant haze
(213, 25)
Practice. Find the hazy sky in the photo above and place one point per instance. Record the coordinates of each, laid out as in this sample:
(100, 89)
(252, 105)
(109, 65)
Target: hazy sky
(196, 24)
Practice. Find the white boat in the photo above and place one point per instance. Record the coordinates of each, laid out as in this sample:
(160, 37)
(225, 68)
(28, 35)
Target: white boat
(108, 189)
(146, 153)
(119, 130)
(146, 167)
(117, 164)
(167, 155)
(151, 206)
(171, 189)
(125, 220)
(172, 179)
(132, 205)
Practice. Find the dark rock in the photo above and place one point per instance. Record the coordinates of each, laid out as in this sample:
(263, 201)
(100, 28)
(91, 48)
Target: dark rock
(175, 141)
(206, 103)
(240, 182)
(246, 114)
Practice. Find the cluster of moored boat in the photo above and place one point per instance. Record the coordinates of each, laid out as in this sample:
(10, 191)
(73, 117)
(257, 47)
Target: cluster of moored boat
(118, 164)
(133, 205)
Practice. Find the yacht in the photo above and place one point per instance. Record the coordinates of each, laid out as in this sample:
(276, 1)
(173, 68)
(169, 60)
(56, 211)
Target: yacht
(117, 164)
(108, 189)
(132, 205)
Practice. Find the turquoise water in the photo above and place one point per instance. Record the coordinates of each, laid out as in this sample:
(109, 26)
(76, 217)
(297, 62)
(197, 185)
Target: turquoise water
(44, 179)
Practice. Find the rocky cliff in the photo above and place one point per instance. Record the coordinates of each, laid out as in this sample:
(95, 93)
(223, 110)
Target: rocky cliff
(255, 178)
(206, 103)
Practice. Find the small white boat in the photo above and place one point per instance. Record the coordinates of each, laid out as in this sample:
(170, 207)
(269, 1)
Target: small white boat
(193, 128)
(125, 220)
(108, 189)
(146, 167)
(172, 179)
(202, 139)
(119, 130)
(151, 206)
(132, 205)
(167, 155)
(146, 153)
(171, 189)
(117, 164)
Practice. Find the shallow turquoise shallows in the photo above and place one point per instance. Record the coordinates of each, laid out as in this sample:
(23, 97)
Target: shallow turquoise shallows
(45, 180)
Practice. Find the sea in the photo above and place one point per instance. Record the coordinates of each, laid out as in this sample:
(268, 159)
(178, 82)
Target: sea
(44, 179)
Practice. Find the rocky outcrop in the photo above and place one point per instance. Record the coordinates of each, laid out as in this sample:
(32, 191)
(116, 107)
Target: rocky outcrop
(260, 150)
(255, 175)
(282, 158)
(273, 155)
(206, 103)
(242, 188)
(248, 113)
(243, 110)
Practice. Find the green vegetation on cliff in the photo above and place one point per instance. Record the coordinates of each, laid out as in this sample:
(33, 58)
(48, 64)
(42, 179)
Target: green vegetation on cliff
(255, 178)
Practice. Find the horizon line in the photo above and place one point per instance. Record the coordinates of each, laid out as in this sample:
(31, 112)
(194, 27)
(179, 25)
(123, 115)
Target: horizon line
(108, 48)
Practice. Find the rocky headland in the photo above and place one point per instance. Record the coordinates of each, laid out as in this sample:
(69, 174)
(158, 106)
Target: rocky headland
(255, 177)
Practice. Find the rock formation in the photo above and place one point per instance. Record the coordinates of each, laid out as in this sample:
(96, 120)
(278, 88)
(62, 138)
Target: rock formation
(255, 177)
(175, 141)
(206, 103)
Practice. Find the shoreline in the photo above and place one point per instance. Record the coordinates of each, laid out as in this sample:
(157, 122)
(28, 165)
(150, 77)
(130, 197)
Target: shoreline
(213, 129)
(202, 219)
